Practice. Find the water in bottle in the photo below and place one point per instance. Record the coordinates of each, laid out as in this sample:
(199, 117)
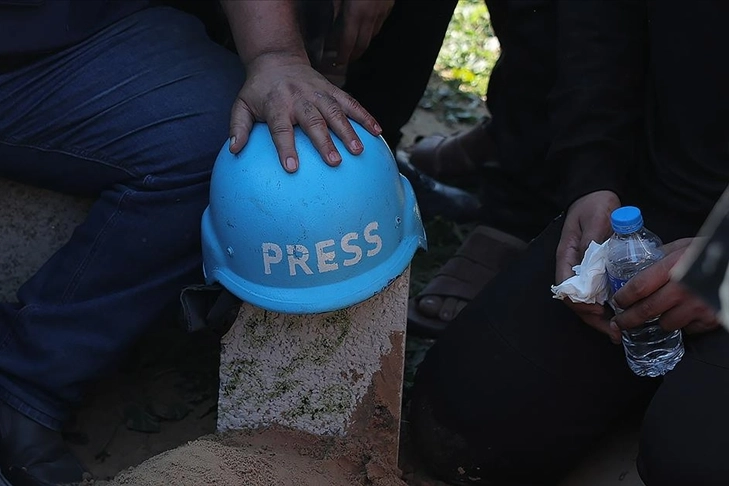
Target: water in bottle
(649, 349)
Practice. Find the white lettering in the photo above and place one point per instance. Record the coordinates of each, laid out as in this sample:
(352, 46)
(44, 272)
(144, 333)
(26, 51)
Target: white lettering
(372, 238)
(324, 258)
(349, 248)
(298, 255)
(326, 252)
(271, 254)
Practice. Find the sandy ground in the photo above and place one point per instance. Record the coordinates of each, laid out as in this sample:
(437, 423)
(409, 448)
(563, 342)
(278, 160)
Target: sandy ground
(271, 457)
(160, 408)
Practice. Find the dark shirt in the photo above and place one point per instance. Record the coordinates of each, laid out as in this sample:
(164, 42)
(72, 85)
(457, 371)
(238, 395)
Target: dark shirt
(641, 105)
(33, 28)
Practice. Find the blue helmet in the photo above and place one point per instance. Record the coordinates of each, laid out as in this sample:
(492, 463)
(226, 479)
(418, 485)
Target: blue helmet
(320, 239)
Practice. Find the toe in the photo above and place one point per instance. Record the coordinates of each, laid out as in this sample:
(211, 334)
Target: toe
(430, 305)
(449, 310)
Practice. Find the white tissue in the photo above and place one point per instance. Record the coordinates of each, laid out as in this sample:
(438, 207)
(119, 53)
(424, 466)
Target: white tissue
(589, 285)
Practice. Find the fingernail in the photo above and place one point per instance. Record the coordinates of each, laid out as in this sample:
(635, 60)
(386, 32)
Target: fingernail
(290, 163)
(232, 141)
(334, 157)
(615, 333)
(378, 128)
(355, 145)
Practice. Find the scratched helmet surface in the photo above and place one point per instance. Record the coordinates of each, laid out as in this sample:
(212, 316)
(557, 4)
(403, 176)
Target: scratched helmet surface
(321, 239)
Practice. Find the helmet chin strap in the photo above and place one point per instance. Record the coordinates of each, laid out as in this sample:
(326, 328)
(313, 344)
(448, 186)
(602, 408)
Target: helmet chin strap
(210, 307)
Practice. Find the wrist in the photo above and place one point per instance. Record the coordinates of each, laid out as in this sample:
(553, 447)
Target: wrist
(604, 198)
(251, 24)
(276, 57)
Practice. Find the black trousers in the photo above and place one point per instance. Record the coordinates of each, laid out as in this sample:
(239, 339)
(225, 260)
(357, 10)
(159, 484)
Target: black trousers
(518, 189)
(391, 76)
(518, 389)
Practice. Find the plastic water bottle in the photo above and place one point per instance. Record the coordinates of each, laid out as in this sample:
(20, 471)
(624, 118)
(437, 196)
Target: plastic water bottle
(649, 349)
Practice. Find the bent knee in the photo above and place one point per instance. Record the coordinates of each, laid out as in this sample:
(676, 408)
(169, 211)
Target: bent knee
(680, 453)
(482, 452)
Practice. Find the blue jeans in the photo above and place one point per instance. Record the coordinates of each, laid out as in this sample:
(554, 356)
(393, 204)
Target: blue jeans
(134, 116)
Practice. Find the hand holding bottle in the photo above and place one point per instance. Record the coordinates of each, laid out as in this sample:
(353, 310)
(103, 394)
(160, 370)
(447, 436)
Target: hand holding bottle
(587, 219)
(652, 293)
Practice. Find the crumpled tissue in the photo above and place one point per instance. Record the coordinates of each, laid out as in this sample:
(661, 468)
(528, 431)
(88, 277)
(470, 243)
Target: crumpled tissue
(589, 285)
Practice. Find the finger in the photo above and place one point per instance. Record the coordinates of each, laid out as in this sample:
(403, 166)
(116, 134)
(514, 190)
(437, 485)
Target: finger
(596, 316)
(241, 124)
(282, 133)
(598, 229)
(337, 8)
(338, 122)
(690, 310)
(656, 304)
(380, 22)
(646, 282)
(699, 327)
(352, 109)
(568, 255)
(677, 245)
(364, 37)
(615, 333)
(346, 43)
(315, 126)
(568, 252)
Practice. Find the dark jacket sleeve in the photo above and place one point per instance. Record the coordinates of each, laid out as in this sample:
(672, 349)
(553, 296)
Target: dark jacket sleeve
(597, 104)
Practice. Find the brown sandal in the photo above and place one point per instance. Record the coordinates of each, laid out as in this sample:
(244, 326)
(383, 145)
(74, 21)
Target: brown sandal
(457, 155)
(484, 253)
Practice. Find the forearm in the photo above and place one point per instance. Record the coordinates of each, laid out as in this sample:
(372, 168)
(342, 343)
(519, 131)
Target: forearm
(265, 27)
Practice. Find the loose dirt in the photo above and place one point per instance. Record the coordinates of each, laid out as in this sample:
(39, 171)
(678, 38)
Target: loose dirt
(267, 457)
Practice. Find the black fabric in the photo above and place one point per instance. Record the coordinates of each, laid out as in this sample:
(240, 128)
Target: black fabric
(391, 76)
(519, 190)
(211, 14)
(208, 307)
(598, 103)
(528, 389)
(683, 436)
(32, 27)
(636, 112)
(519, 86)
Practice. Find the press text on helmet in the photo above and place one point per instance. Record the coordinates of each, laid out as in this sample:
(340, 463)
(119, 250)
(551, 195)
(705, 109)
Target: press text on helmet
(326, 252)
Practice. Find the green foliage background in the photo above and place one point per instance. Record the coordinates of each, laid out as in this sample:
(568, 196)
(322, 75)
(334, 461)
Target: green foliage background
(470, 48)
(461, 73)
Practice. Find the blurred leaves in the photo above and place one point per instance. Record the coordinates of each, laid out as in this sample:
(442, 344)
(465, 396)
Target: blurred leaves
(461, 73)
(470, 48)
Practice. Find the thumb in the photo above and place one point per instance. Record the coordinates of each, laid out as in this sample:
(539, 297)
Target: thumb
(241, 124)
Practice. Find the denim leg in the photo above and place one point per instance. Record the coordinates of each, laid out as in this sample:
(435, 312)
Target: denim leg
(134, 116)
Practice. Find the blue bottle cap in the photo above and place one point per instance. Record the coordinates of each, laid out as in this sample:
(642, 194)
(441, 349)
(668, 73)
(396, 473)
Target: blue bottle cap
(626, 220)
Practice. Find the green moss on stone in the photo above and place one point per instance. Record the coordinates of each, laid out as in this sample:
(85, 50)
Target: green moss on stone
(335, 328)
(336, 400)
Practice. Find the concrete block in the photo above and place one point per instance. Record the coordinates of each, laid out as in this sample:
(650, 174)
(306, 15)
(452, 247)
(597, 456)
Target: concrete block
(338, 373)
(34, 223)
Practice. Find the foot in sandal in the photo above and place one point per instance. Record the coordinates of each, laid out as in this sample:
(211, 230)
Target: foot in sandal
(456, 156)
(484, 253)
(436, 199)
